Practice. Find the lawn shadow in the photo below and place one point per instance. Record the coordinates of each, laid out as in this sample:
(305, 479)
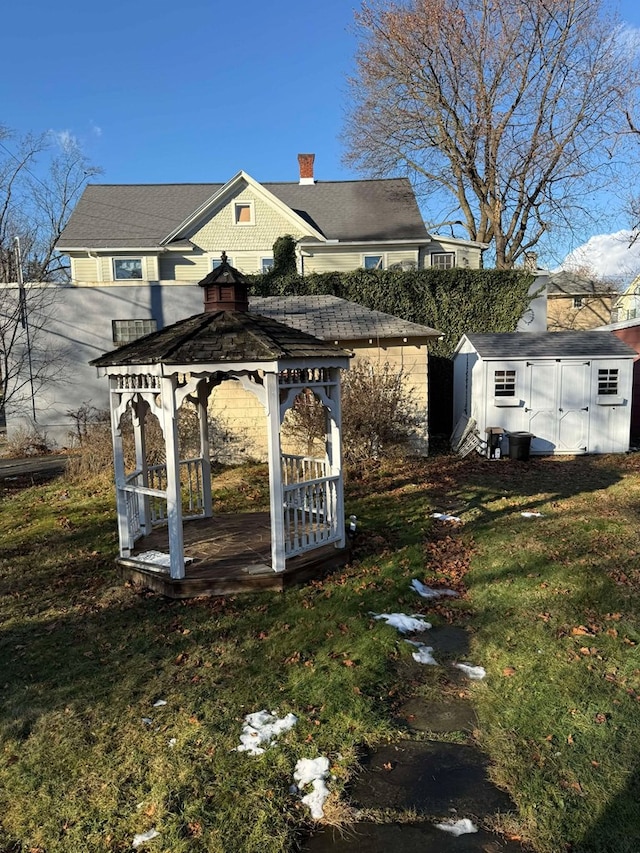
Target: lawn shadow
(617, 829)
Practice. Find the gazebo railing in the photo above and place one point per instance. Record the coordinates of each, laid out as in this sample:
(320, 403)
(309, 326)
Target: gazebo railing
(310, 502)
(150, 501)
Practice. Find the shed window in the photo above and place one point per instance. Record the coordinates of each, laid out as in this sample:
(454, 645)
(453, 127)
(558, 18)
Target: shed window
(125, 331)
(504, 383)
(125, 268)
(443, 260)
(577, 302)
(607, 381)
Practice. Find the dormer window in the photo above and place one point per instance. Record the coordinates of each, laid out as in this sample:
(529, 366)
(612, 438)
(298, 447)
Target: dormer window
(127, 268)
(243, 213)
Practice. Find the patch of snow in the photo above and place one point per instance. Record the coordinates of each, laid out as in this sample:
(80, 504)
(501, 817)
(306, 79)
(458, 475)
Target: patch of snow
(444, 516)
(405, 624)
(172, 742)
(144, 836)
(263, 727)
(458, 827)
(158, 558)
(528, 514)
(159, 703)
(475, 672)
(429, 592)
(147, 721)
(423, 653)
(313, 771)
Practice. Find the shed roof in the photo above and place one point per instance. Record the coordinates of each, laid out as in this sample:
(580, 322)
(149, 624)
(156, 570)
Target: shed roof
(142, 215)
(514, 345)
(221, 337)
(333, 319)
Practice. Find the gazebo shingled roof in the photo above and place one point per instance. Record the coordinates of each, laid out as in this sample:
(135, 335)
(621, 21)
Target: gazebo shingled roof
(221, 336)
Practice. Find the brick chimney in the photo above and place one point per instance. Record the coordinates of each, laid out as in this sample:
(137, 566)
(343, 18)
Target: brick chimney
(305, 161)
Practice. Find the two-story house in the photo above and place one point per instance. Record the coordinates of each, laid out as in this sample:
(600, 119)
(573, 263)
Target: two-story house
(177, 232)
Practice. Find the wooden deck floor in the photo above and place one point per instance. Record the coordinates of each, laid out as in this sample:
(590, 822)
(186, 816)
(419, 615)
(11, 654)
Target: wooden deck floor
(230, 554)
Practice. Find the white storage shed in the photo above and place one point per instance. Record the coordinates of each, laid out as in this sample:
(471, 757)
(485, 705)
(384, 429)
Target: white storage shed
(570, 390)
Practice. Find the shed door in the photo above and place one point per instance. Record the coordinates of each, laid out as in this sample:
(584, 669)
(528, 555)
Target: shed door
(542, 405)
(573, 406)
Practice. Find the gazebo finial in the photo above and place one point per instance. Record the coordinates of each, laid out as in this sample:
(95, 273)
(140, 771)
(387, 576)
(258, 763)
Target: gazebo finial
(223, 257)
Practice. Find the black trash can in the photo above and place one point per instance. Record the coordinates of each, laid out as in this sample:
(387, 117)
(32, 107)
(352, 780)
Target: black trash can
(520, 445)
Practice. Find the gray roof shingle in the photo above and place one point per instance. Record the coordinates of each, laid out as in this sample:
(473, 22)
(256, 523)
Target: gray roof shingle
(333, 319)
(550, 345)
(142, 215)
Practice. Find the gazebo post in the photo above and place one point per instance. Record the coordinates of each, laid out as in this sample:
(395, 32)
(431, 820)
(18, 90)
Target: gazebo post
(124, 535)
(334, 454)
(139, 439)
(174, 497)
(205, 451)
(276, 494)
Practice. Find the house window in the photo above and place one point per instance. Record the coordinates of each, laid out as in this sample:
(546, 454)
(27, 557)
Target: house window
(125, 331)
(607, 381)
(266, 265)
(215, 262)
(504, 383)
(443, 260)
(577, 302)
(372, 262)
(127, 268)
(243, 213)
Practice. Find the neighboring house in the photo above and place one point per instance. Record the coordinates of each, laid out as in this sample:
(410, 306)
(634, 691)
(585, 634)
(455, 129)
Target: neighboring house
(570, 390)
(577, 302)
(627, 305)
(175, 233)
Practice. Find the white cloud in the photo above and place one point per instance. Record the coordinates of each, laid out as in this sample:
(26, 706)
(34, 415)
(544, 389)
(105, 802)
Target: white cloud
(606, 256)
(96, 130)
(64, 139)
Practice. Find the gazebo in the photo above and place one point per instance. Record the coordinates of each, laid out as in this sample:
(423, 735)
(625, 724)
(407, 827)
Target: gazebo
(185, 361)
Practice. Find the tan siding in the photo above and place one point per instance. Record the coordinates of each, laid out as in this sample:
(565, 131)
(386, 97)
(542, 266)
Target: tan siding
(84, 269)
(178, 267)
(221, 232)
(241, 418)
(562, 316)
(345, 260)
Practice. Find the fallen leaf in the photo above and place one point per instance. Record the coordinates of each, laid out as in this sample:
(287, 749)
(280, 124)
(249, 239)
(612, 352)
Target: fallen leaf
(570, 740)
(581, 631)
(387, 766)
(508, 671)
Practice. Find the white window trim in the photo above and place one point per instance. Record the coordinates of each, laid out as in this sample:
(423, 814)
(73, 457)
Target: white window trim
(234, 208)
(381, 255)
(452, 255)
(143, 267)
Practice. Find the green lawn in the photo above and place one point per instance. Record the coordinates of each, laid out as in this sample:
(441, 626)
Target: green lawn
(552, 601)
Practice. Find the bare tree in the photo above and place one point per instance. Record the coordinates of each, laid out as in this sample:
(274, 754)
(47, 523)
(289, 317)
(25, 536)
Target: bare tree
(509, 112)
(36, 200)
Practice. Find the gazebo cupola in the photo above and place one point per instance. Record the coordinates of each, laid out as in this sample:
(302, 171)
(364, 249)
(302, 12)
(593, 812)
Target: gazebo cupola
(225, 288)
(184, 362)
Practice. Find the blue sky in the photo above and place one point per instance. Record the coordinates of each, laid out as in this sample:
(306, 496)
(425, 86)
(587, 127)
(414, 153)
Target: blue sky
(168, 92)
(177, 92)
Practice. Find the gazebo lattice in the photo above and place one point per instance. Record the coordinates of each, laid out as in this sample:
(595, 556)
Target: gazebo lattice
(185, 362)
